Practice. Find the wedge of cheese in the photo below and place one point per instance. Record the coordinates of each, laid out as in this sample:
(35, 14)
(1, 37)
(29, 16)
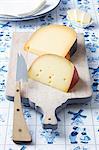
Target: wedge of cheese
(55, 71)
(53, 39)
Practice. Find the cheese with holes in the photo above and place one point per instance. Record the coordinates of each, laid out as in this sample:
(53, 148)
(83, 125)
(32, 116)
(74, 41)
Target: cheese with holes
(55, 71)
(53, 39)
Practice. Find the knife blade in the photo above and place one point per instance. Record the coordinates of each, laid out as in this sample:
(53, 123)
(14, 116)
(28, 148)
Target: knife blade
(20, 130)
(21, 72)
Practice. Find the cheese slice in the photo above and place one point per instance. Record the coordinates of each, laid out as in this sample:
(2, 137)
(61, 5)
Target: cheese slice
(52, 39)
(53, 70)
(79, 16)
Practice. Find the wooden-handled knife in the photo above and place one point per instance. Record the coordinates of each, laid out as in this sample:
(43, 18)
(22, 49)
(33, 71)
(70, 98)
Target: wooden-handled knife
(20, 130)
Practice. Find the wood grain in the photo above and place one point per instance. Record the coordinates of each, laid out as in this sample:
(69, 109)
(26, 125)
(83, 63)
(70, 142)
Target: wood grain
(20, 130)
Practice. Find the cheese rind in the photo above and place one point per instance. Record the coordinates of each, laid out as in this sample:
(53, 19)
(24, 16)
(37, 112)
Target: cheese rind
(52, 39)
(53, 70)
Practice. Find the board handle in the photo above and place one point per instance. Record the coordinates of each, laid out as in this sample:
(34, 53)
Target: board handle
(20, 130)
(49, 119)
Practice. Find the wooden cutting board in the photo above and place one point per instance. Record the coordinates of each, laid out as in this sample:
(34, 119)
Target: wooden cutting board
(43, 98)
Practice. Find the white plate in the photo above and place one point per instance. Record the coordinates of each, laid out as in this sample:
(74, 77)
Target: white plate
(50, 5)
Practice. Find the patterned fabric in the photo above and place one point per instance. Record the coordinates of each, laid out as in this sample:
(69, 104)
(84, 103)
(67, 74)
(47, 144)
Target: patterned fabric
(78, 127)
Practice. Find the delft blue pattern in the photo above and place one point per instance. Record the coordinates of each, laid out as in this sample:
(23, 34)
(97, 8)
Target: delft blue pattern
(84, 137)
(78, 134)
(77, 118)
(5, 25)
(23, 148)
(27, 114)
(50, 135)
(97, 116)
(73, 135)
(78, 148)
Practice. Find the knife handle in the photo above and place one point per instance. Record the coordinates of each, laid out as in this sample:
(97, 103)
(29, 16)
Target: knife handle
(20, 129)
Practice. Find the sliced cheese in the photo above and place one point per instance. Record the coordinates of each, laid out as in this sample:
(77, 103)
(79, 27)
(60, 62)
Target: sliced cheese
(52, 39)
(79, 16)
(52, 70)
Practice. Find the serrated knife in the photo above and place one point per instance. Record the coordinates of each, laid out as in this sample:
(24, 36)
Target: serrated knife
(20, 130)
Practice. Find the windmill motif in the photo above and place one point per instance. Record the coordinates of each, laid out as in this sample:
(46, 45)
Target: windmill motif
(77, 117)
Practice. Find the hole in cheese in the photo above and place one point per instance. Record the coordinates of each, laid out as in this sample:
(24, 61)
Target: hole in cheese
(37, 75)
(50, 77)
(64, 79)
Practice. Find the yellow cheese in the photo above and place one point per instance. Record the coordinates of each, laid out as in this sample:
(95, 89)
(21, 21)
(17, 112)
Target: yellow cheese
(79, 16)
(52, 70)
(51, 39)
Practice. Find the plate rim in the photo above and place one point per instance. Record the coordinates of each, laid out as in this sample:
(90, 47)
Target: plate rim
(30, 17)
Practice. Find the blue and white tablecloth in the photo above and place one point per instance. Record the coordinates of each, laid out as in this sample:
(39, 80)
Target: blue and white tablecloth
(78, 124)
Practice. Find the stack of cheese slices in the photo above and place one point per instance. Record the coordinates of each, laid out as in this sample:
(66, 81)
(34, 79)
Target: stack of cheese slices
(54, 44)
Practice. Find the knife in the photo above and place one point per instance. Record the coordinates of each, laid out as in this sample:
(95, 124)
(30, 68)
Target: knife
(20, 130)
